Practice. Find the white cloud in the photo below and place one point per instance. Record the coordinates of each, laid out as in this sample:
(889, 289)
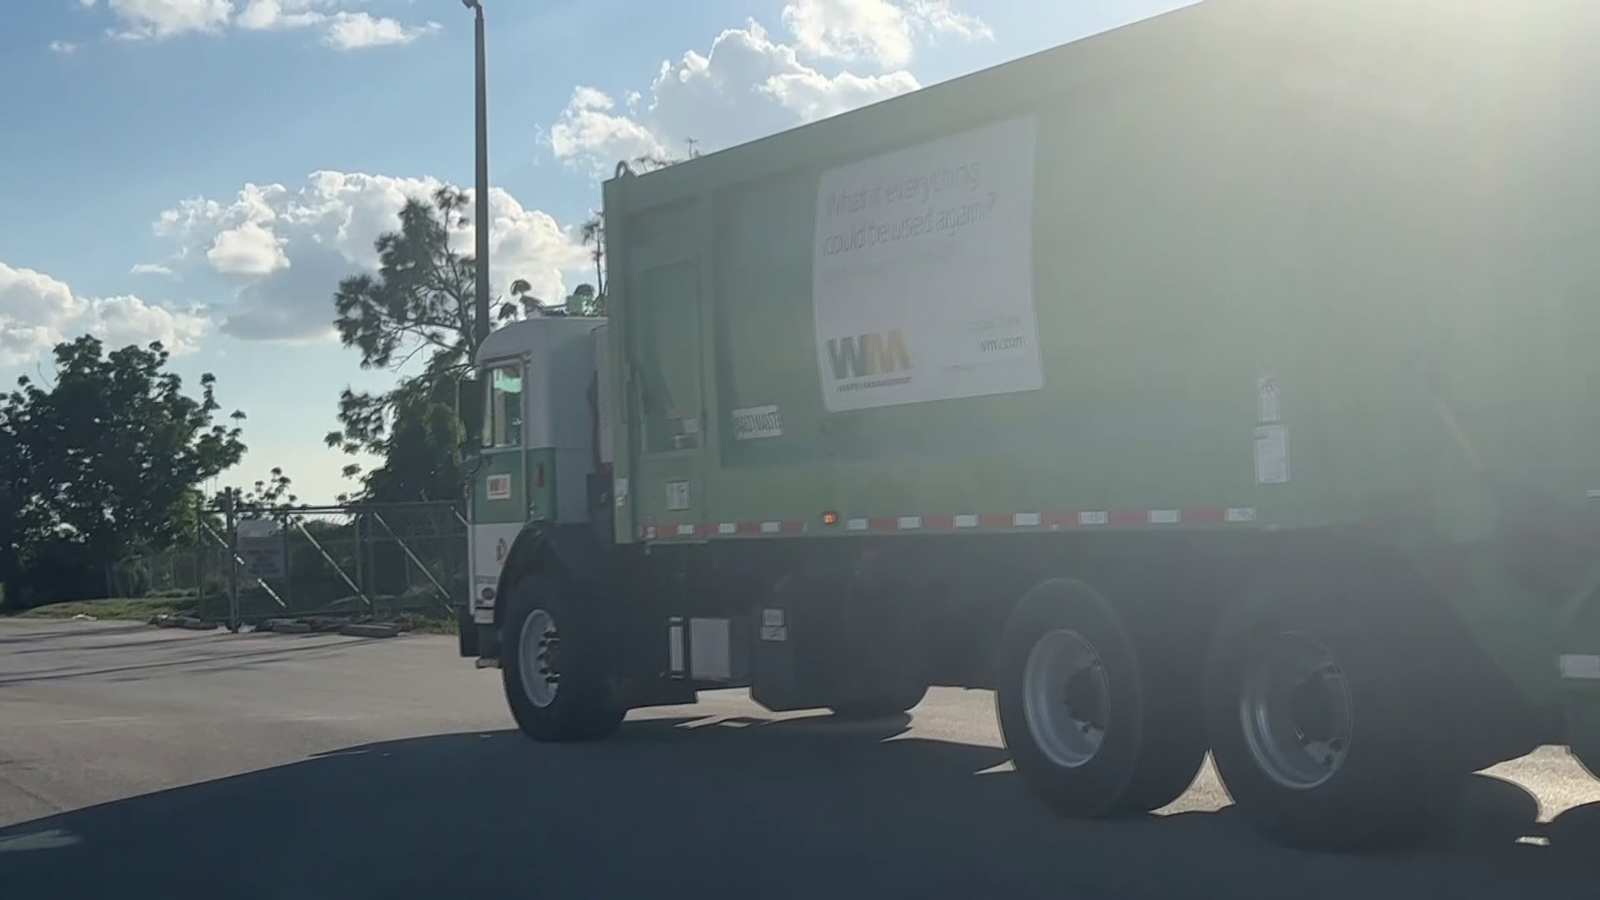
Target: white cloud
(250, 249)
(353, 31)
(882, 31)
(38, 311)
(262, 15)
(63, 46)
(341, 26)
(288, 249)
(166, 18)
(150, 269)
(748, 85)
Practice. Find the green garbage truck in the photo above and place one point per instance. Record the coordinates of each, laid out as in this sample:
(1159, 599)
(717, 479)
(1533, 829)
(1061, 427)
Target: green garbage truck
(1228, 382)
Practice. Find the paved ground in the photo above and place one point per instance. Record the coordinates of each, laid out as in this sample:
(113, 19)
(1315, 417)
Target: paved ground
(141, 763)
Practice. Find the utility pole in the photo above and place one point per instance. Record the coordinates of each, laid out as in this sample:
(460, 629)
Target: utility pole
(480, 305)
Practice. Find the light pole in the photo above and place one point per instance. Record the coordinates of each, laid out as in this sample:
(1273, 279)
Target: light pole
(480, 304)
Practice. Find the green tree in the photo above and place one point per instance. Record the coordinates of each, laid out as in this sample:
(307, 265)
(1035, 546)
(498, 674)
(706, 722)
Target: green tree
(272, 492)
(419, 303)
(586, 301)
(108, 459)
(13, 512)
(420, 461)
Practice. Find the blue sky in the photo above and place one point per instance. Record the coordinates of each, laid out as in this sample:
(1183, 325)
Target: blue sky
(204, 171)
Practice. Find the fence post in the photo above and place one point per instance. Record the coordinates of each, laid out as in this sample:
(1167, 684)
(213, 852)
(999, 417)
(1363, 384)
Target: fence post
(361, 552)
(288, 558)
(199, 559)
(231, 522)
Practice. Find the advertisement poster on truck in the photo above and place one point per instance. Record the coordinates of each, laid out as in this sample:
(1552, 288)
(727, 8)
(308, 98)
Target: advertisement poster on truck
(922, 275)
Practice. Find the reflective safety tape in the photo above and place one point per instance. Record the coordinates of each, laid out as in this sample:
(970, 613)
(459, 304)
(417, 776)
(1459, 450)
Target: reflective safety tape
(957, 523)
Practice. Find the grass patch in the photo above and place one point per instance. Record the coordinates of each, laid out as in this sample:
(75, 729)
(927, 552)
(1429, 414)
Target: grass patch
(118, 609)
(434, 621)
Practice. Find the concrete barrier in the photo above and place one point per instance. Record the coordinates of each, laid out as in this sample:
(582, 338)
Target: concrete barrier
(370, 630)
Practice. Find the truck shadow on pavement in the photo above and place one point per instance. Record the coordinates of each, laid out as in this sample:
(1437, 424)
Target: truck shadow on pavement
(739, 808)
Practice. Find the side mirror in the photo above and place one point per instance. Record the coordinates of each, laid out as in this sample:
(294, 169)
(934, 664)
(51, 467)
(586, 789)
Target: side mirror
(469, 403)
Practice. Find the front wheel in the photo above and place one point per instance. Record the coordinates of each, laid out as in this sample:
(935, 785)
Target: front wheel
(552, 666)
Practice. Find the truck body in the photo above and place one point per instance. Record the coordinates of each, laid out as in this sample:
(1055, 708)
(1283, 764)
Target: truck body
(1226, 379)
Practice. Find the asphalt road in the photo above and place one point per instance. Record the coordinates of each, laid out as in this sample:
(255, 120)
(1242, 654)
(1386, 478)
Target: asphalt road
(143, 763)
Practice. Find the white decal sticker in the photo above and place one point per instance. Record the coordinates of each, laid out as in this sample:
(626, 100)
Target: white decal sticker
(490, 545)
(1272, 454)
(498, 487)
(619, 488)
(772, 625)
(922, 272)
(677, 495)
(756, 423)
(1268, 407)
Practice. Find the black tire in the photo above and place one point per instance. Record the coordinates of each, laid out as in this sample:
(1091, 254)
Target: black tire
(1398, 775)
(1151, 749)
(880, 665)
(584, 707)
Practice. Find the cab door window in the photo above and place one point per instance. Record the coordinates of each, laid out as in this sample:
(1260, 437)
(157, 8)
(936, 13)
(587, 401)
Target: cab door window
(502, 427)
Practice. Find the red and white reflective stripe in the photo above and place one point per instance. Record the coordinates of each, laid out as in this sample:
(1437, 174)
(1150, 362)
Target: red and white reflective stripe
(1027, 521)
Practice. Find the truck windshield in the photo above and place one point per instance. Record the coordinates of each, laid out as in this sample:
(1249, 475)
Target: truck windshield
(503, 426)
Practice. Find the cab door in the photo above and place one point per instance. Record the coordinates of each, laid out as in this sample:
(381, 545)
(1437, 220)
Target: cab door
(500, 486)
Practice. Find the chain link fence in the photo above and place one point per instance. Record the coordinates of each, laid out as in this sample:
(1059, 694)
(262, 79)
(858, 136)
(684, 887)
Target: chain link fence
(366, 560)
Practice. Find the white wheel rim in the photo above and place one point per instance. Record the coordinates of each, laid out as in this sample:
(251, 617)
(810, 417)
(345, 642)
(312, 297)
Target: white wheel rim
(1296, 712)
(536, 658)
(1065, 698)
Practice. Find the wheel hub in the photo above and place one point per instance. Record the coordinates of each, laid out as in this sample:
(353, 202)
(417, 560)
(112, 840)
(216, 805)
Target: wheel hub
(1066, 700)
(539, 658)
(1296, 712)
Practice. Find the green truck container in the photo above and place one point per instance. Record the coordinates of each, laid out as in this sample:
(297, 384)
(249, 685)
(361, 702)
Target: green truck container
(1227, 382)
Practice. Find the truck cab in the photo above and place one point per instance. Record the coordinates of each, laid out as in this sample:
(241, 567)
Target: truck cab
(539, 444)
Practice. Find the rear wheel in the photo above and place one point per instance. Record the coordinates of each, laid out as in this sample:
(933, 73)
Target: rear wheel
(880, 668)
(1324, 723)
(552, 666)
(1090, 728)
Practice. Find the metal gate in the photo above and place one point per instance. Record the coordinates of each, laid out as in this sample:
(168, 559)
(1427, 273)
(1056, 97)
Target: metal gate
(369, 560)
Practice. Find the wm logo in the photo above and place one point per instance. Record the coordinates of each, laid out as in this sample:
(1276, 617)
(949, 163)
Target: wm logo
(868, 354)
